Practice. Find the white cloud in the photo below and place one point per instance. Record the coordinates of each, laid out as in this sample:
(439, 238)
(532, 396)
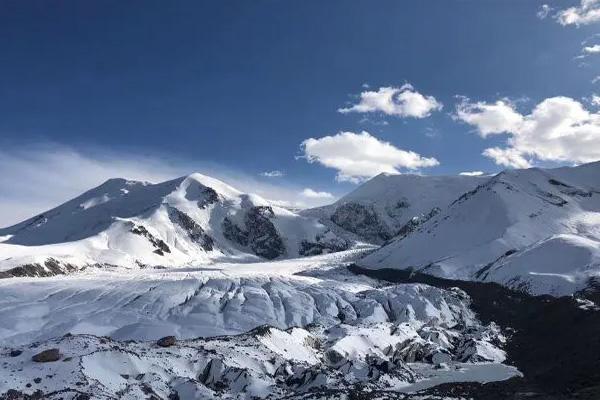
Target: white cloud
(544, 11)
(359, 156)
(595, 49)
(471, 173)
(596, 79)
(586, 13)
(272, 174)
(557, 129)
(489, 119)
(508, 157)
(404, 102)
(37, 177)
(312, 194)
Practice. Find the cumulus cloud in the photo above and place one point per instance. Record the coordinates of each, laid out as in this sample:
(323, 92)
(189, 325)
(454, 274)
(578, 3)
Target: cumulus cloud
(509, 157)
(490, 119)
(595, 49)
(558, 129)
(272, 174)
(403, 102)
(359, 156)
(587, 12)
(313, 194)
(471, 173)
(37, 177)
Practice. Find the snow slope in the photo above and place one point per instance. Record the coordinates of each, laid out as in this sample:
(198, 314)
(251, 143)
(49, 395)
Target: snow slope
(536, 230)
(380, 208)
(193, 219)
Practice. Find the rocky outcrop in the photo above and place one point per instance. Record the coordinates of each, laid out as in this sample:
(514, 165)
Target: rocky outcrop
(363, 221)
(234, 233)
(259, 233)
(191, 228)
(159, 245)
(210, 196)
(49, 355)
(263, 238)
(322, 245)
(166, 341)
(50, 267)
(417, 221)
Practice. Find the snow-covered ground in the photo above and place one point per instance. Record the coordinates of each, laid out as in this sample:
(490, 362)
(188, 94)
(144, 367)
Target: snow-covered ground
(256, 329)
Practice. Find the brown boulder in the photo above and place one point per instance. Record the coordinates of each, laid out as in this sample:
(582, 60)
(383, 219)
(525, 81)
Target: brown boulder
(166, 341)
(47, 356)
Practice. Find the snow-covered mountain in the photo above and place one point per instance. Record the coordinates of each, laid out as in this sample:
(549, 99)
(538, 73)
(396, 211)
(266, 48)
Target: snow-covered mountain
(193, 219)
(536, 229)
(293, 319)
(389, 204)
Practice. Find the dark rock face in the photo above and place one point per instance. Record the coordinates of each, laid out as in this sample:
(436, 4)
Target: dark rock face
(51, 267)
(415, 222)
(362, 220)
(15, 353)
(160, 246)
(166, 341)
(263, 238)
(322, 246)
(570, 190)
(49, 355)
(210, 197)
(234, 233)
(259, 234)
(194, 231)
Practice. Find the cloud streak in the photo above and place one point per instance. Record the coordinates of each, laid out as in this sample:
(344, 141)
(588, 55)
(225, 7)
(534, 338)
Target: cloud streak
(272, 174)
(313, 194)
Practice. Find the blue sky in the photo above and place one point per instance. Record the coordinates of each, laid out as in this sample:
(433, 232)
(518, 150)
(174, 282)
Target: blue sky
(238, 86)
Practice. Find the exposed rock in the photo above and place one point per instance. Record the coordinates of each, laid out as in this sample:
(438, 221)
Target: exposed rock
(210, 197)
(166, 341)
(234, 233)
(322, 246)
(49, 355)
(160, 246)
(263, 238)
(259, 234)
(15, 353)
(417, 221)
(51, 267)
(362, 220)
(192, 228)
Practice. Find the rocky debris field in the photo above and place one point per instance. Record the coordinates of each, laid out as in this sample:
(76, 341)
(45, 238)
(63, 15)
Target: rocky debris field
(554, 342)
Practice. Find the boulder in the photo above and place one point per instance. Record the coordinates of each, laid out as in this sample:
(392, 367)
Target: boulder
(166, 341)
(15, 353)
(49, 355)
